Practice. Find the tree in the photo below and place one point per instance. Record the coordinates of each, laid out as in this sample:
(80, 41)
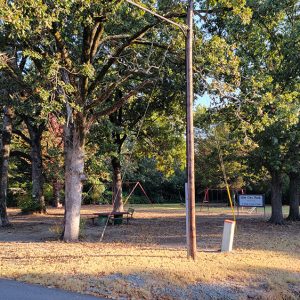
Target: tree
(148, 127)
(83, 63)
(81, 54)
(35, 141)
(33, 138)
(215, 142)
(293, 171)
(5, 153)
(54, 158)
(265, 106)
(152, 127)
(17, 84)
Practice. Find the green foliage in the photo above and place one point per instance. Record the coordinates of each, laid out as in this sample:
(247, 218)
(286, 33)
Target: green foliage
(97, 193)
(27, 205)
(159, 187)
(246, 58)
(13, 194)
(136, 199)
(161, 138)
(94, 193)
(48, 193)
(214, 138)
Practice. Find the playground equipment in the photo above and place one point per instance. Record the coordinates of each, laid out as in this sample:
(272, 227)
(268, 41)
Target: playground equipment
(137, 184)
(210, 196)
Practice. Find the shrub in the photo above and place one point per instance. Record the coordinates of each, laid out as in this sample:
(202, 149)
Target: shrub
(13, 196)
(48, 193)
(93, 194)
(27, 205)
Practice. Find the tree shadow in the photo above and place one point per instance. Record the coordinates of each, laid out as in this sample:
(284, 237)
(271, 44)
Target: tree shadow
(158, 285)
(166, 230)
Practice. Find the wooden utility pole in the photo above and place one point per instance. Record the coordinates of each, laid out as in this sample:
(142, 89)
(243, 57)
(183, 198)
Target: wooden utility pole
(192, 246)
(190, 191)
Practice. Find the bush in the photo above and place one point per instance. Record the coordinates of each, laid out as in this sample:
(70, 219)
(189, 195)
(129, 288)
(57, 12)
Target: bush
(13, 196)
(93, 194)
(48, 193)
(136, 199)
(27, 205)
(106, 197)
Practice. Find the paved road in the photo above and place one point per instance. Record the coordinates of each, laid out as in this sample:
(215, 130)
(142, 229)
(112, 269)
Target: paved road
(14, 290)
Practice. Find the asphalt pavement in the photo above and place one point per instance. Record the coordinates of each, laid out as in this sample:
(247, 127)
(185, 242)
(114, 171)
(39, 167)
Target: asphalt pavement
(14, 290)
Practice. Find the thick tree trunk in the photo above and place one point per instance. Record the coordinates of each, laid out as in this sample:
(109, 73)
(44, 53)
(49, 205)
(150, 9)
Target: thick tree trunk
(5, 152)
(36, 132)
(294, 195)
(74, 175)
(37, 169)
(117, 185)
(276, 198)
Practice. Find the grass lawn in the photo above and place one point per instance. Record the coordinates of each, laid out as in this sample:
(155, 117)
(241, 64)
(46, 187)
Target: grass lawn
(147, 258)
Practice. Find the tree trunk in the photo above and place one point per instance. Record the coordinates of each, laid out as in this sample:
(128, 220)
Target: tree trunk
(37, 169)
(56, 188)
(5, 152)
(74, 175)
(117, 185)
(294, 195)
(276, 198)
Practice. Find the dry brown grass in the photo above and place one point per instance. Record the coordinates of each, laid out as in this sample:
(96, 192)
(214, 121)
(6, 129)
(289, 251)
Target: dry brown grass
(140, 260)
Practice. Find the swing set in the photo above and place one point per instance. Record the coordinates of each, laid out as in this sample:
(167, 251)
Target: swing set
(136, 185)
(218, 196)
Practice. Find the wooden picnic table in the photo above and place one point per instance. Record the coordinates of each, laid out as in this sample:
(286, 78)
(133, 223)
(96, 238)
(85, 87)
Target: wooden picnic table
(113, 216)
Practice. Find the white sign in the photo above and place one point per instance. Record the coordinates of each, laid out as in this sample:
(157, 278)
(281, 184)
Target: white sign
(251, 200)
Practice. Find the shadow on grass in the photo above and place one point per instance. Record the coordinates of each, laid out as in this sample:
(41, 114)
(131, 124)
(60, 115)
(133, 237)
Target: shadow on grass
(167, 231)
(155, 285)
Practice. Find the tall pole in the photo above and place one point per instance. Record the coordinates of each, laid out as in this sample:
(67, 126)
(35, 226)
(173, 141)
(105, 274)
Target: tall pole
(190, 190)
(192, 246)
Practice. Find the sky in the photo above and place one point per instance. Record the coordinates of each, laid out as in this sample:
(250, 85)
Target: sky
(203, 100)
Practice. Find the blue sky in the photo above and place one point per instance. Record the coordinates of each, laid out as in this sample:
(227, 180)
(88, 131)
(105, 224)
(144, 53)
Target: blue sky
(203, 100)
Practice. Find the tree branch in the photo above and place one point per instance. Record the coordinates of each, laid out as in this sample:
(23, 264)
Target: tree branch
(114, 38)
(109, 91)
(96, 41)
(213, 10)
(22, 135)
(126, 44)
(20, 154)
(117, 53)
(117, 105)
(61, 46)
(22, 63)
(154, 44)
